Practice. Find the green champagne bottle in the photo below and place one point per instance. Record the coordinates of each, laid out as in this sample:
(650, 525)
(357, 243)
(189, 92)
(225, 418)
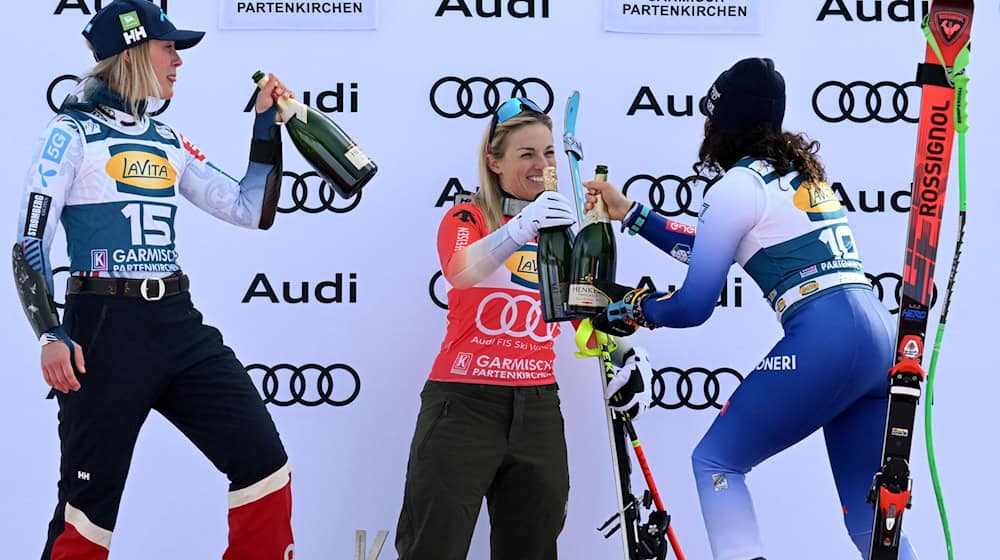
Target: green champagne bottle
(594, 257)
(327, 148)
(555, 247)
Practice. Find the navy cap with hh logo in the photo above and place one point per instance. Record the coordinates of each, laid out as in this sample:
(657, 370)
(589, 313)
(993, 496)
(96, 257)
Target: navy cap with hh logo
(123, 24)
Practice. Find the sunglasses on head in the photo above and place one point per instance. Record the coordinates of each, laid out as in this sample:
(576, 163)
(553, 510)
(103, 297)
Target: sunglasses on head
(506, 111)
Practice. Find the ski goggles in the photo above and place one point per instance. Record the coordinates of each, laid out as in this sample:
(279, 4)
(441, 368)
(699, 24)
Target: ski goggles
(506, 111)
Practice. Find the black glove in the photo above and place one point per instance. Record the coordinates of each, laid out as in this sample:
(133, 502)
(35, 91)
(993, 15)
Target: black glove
(624, 315)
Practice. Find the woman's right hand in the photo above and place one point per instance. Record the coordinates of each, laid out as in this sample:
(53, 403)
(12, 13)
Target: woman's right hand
(550, 209)
(614, 200)
(57, 368)
(271, 92)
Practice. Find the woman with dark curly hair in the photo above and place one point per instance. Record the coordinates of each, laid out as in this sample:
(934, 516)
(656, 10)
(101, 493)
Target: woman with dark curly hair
(772, 212)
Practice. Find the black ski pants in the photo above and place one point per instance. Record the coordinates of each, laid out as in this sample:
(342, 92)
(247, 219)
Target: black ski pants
(506, 444)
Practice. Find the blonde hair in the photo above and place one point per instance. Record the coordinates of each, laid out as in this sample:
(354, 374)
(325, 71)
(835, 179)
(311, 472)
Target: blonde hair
(489, 196)
(132, 77)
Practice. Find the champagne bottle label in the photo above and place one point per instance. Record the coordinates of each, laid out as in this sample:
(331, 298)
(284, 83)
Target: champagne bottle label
(586, 295)
(357, 157)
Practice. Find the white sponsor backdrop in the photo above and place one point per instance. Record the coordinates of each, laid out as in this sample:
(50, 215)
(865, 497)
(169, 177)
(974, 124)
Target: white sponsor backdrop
(349, 461)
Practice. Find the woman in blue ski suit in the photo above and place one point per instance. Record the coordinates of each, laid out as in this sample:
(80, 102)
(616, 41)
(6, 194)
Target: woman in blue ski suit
(772, 212)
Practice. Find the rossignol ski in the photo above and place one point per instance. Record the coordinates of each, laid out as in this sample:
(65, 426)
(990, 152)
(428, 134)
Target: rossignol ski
(641, 541)
(947, 27)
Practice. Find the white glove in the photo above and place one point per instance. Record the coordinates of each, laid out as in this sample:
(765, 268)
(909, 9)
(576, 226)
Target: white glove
(626, 392)
(550, 209)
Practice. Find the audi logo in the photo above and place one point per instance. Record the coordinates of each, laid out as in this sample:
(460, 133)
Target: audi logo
(862, 102)
(715, 386)
(63, 85)
(891, 283)
(308, 385)
(478, 97)
(520, 317)
(682, 188)
(439, 299)
(313, 199)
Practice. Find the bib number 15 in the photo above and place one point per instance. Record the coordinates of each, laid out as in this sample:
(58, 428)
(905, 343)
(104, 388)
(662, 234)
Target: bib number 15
(150, 224)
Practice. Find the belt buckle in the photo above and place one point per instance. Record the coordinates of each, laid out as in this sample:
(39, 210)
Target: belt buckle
(144, 289)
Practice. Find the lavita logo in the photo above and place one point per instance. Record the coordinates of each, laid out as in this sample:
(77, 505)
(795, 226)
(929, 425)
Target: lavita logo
(731, 295)
(877, 201)
(451, 189)
(896, 10)
(91, 7)
(335, 100)
(327, 291)
(494, 8)
(677, 105)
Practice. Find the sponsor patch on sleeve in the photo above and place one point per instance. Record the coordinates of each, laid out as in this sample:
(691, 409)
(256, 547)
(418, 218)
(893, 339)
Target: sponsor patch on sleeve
(38, 215)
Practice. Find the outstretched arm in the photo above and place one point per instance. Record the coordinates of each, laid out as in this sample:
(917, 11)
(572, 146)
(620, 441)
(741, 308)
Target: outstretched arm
(252, 201)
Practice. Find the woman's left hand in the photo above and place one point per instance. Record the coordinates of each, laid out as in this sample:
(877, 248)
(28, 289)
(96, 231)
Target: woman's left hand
(272, 90)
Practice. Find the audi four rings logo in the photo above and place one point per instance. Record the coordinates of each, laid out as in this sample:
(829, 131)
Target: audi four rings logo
(439, 300)
(64, 85)
(520, 317)
(862, 102)
(696, 388)
(478, 97)
(312, 195)
(308, 385)
(891, 283)
(671, 195)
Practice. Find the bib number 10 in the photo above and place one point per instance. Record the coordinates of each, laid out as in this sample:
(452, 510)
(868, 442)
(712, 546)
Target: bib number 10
(150, 224)
(840, 240)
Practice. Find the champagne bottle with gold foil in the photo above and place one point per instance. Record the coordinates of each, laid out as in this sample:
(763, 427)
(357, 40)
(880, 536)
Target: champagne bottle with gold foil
(555, 248)
(327, 148)
(594, 257)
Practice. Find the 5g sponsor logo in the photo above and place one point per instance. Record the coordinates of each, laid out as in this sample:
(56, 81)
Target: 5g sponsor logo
(63, 85)
(327, 291)
(495, 8)
(645, 100)
(696, 388)
(307, 385)
(862, 102)
(894, 10)
(335, 100)
(87, 8)
(731, 295)
(478, 97)
(311, 194)
(670, 195)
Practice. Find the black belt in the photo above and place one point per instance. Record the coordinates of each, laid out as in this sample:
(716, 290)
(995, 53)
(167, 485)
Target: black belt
(149, 289)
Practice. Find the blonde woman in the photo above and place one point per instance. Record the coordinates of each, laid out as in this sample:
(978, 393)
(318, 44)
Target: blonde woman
(490, 425)
(130, 340)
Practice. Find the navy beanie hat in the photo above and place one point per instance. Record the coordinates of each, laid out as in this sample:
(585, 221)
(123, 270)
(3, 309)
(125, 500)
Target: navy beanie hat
(750, 94)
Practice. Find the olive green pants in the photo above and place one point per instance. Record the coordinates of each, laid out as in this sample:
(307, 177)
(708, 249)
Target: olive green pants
(506, 444)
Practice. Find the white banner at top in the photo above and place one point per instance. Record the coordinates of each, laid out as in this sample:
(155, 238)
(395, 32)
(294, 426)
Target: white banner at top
(682, 16)
(293, 14)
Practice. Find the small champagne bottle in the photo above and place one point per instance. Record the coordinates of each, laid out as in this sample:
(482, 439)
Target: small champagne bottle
(327, 148)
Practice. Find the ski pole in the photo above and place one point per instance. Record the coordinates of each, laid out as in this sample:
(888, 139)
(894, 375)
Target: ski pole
(604, 344)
